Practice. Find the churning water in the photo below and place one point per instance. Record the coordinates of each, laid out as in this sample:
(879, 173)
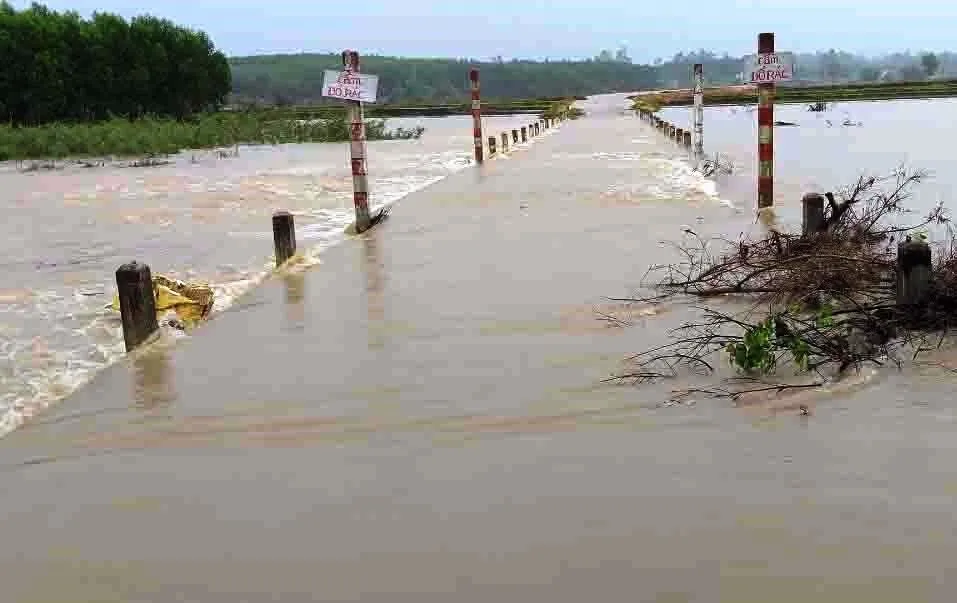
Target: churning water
(202, 217)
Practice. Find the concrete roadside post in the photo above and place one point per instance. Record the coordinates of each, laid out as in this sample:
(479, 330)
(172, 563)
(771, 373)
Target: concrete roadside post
(812, 213)
(913, 272)
(505, 142)
(134, 285)
(284, 236)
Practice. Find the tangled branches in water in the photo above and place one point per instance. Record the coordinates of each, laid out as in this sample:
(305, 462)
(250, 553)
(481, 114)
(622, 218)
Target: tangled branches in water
(826, 301)
(716, 166)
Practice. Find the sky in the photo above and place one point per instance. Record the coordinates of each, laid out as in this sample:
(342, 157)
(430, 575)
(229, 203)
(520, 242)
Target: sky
(554, 29)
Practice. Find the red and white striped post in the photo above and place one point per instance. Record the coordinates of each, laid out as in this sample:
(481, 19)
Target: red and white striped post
(698, 128)
(765, 131)
(360, 180)
(476, 114)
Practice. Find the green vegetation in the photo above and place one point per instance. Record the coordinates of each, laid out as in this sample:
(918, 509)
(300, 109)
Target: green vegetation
(57, 66)
(318, 111)
(850, 92)
(107, 86)
(563, 109)
(297, 79)
(163, 136)
(803, 94)
(763, 342)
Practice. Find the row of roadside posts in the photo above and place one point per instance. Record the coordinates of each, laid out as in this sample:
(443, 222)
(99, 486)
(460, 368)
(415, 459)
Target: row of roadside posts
(764, 70)
(134, 280)
(531, 130)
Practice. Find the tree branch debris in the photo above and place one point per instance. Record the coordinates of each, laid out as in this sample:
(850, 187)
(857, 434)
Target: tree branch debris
(821, 304)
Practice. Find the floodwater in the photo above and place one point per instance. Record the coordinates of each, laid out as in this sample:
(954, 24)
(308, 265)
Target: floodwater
(202, 218)
(820, 153)
(418, 419)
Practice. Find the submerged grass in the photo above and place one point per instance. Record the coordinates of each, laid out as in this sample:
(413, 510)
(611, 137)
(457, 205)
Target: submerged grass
(159, 136)
(490, 106)
(563, 109)
(744, 95)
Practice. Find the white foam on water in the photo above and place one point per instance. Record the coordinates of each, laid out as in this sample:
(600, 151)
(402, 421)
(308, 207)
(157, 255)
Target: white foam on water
(681, 178)
(38, 372)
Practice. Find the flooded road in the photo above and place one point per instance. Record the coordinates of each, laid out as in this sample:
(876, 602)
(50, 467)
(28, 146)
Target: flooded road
(423, 417)
(202, 218)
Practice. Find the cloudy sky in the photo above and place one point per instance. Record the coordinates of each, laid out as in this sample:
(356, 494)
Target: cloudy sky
(549, 28)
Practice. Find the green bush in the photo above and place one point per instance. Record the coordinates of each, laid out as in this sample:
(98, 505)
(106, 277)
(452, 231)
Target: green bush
(160, 136)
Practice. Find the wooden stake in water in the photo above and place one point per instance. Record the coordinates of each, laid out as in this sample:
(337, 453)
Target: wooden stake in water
(476, 114)
(360, 179)
(698, 127)
(134, 285)
(765, 131)
(284, 236)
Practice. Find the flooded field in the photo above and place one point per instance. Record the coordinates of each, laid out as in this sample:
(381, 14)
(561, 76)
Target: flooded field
(819, 153)
(201, 218)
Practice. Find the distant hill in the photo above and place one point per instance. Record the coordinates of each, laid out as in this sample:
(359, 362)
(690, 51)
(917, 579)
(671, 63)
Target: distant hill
(297, 79)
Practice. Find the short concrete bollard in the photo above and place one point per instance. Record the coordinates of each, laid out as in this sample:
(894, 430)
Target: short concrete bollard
(524, 134)
(813, 214)
(504, 142)
(134, 284)
(491, 146)
(283, 236)
(913, 272)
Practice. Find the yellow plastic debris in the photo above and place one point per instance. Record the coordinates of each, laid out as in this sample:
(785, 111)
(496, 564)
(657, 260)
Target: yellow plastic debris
(192, 302)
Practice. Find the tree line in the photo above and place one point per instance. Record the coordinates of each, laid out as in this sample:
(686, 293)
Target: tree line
(831, 66)
(60, 67)
(297, 79)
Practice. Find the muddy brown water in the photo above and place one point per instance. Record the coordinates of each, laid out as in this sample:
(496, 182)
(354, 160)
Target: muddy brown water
(422, 417)
(202, 218)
